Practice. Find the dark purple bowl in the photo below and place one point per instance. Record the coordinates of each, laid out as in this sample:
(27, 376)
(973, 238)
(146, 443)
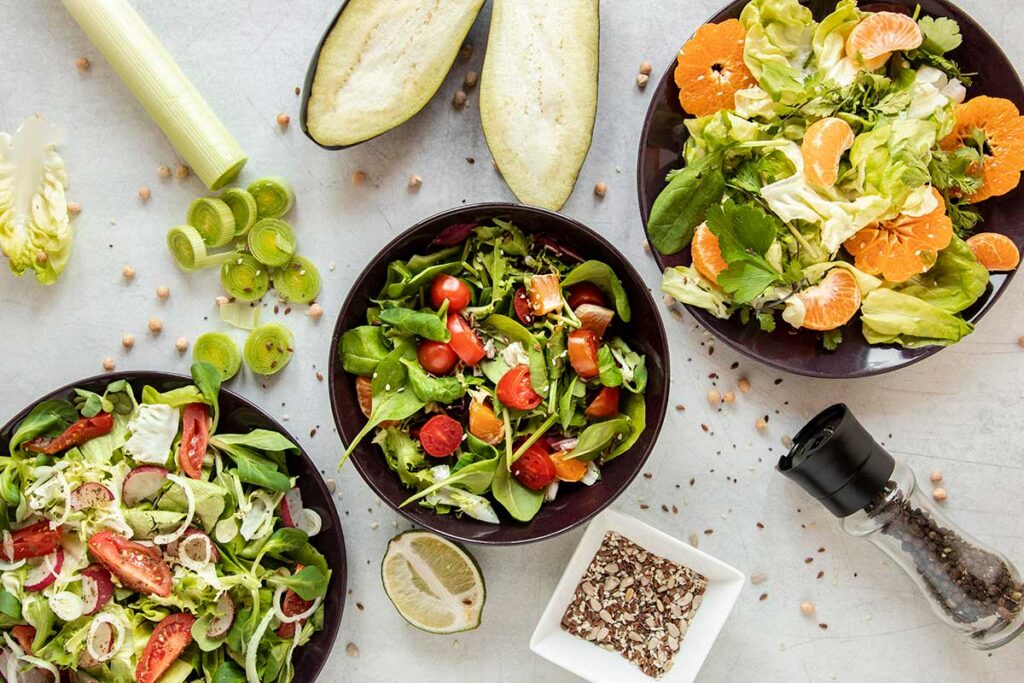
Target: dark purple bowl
(238, 414)
(800, 352)
(574, 505)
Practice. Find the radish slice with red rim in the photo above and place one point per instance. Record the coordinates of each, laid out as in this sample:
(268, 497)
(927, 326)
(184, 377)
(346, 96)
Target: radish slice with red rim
(291, 507)
(224, 616)
(310, 522)
(105, 637)
(45, 571)
(142, 483)
(90, 495)
(97, 588)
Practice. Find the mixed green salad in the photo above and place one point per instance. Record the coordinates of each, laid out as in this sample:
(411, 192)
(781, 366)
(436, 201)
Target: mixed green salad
(833, 169)
(139, 544)
(492, 370)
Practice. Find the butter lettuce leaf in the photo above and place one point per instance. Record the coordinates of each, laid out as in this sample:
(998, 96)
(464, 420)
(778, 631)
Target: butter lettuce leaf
(778, 46)
(891, 317)
(954, 283)
(685, 284)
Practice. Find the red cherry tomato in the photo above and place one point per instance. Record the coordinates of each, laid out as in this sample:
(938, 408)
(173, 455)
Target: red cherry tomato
(195, 433)
(291, 605)
(584, 293)
(35, 540)
(451, 288)
(605, 404)
(441, 436)
(515, 390)
(465, 341)
(583, 353)
(169, 639)
(436, 358)
(534, 468)
(24, 635)
(521, 304)
(139, 567)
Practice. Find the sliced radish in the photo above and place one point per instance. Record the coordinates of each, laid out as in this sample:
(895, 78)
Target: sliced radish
(310, 522)
(97, 588)
(291, 507)
(90, 495)
(66, 605)
(224, 617)
(142, 483)
(194, 548)
(45, 571)
(99, 646)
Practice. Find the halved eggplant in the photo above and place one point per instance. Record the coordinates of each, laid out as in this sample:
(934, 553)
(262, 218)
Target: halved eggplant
(538, 94)
(379, 64)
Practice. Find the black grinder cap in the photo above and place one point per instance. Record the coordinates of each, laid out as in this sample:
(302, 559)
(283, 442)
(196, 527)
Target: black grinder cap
(838, 462)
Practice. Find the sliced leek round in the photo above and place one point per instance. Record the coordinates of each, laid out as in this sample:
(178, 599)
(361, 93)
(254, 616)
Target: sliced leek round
(298, 282)
(245, 278)
(243, 207)
(274, 197)
(220, 351)
(268, 348)
(189, 250)
(213, 219)
(272, 242)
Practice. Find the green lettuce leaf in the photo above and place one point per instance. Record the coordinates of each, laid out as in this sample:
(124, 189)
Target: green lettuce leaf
(954, 283)
(686, 285)
(891, 317)
(829, 42)
(778, 46)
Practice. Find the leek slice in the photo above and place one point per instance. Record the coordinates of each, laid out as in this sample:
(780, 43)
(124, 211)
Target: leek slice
(298, 282)
(272, 242)
(189, 250)
(213, 219)
(220, 351)
(268, 348)
(538, 94)
(245, 278)
(238, 314)
(243, 207)
(152, 75)
(274, 197)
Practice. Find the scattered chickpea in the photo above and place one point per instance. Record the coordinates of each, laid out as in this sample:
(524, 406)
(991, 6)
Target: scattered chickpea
(714, 397)
(729, 397)
(144, 193)
(787, 440)
(641, 80)
(163, 293)
(415, 182)
(283, 120)
(82, 64)
(470, 80)
(807, 607)
(181, 344)
(459, 99)
(601, 189)
(647, 247)
(936, 476)
(221, 300)
(74, 208)
(128, 340)
(668, 300)
(760, 424)
(1021, 341)
(128, 273)
(358, 177)
(156, 326)
(351, 650)
(108, 364)
(744, 385)
(646, 68)
(181, 171)
(163, 171)
(316, 311)
(939, 494)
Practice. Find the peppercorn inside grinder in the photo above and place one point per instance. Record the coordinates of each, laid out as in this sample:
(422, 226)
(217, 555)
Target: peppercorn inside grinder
(973, 589)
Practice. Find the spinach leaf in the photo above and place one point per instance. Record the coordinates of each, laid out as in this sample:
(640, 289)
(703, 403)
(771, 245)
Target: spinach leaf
(47, 418)
(309, 556)
(430, 389)
(362, 348)
(282, 542)
(207, 379)
(538, 369)
(684, 203)
(556, 352)
(229, 672)
(567, 403)
(421, 262)
(636, 410)
(597, 438)
(10, 491)
(93, 403)
(522, 503)
(9, 605)
(420, 323)
(412, 285)
(610, 375)
(255, 469)
(510, 329)
(475, 478)
(260, 439)
(505, 236)
(601, 275)
(309, 582)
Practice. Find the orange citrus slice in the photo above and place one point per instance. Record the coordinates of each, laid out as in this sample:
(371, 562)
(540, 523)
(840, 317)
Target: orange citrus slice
(903, 247)
(832, 302)
(710, 69)
(568, 469)
(1002, 127)
(824, 145)
(484, 424)
(707, 257)
(875, 38)
(994, 251)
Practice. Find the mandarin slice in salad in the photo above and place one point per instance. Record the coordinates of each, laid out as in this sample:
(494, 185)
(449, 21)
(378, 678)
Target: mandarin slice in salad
(484, 424)
(707, 256)
(996, 125)
(877, 36)
(832, 302)
(568, 470)
(710, 69)
(823, 147)
(994, 251)
(903, 247)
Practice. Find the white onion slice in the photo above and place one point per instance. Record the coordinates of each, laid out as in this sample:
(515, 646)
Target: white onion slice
(206, 552)
(251, 648)
(284, 618)
(66, 605)
(164, 539)
(118, 630)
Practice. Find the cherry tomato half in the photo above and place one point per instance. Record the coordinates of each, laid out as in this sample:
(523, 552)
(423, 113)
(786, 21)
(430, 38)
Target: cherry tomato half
(465, 341)
(451, 288)
(169, 639)
(522, 307)
(441, 436)
(583, 353)
(195, 433)
(35, 540)
(516, 391)
(605, 404)
(534, 468)
(584, 293)
(139, 567)
(436, 357)
(291, 605)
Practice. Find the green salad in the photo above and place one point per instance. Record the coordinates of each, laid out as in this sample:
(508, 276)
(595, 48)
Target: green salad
(493, 370)
(140, 544)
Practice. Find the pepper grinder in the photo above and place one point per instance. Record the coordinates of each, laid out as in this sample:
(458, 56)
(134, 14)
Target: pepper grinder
(974, 589)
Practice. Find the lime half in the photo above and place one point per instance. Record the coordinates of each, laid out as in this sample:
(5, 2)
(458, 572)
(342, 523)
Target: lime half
(433, 583)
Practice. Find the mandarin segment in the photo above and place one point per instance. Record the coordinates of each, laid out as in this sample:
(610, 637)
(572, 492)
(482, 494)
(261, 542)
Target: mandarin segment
(878, 35)
(831, 303)
(823, 147)
(1002, 125)
(994, 251)
(710, 69)
(707, 256)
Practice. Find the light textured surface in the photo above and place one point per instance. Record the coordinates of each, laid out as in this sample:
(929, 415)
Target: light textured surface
(959, 411)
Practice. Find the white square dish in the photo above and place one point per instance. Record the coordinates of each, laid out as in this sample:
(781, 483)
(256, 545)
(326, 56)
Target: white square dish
(596, 664)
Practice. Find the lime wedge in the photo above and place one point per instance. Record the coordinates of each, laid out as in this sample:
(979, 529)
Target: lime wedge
(433, 583)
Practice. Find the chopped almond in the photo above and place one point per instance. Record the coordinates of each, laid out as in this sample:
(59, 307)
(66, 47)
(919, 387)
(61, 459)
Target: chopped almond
(545, 293)
(595, 318)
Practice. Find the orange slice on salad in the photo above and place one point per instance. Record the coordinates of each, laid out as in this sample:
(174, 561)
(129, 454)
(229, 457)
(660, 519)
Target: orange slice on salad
(707, 257)
(568, 469)
(484, 424)
(877, 36)
(710, 69)
(903, 247)
(824, 145)
(832, 302)
(994, 251)
(997, 125)
(545, 293)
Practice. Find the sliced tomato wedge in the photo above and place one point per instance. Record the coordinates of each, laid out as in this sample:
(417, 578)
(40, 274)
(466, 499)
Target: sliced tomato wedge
(605, 404)
(584, 293)
(521, 304)
(138, 566)
(170, 638)
(583, 346)
(441, 436)
(465, 342)
(24, 635)
(195, 434)
(545, 293)
(516, 391)
(35, 540)
(291, 605)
